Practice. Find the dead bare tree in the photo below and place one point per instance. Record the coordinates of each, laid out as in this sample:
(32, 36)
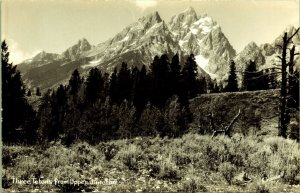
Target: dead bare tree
(226, 130)
(284, 113)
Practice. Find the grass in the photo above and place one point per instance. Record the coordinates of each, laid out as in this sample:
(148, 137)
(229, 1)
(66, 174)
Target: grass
(192, 163)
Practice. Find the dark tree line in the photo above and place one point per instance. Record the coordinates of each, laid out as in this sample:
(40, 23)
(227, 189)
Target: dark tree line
(130, 102)
(252, 78)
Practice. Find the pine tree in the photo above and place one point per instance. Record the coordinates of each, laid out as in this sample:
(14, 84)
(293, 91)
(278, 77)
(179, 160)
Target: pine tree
(16, 122)
(189, 77)
(160, 81)
(113, 90)
(202, 85)
(58, 112)
(94, 86)
(45, 115)
(232, 84)
(174, 75)
(124, 84)
(75, 82)
(250, 79)
(140, 91)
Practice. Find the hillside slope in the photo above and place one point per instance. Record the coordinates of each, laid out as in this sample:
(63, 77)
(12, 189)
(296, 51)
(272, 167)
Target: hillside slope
(258, 111)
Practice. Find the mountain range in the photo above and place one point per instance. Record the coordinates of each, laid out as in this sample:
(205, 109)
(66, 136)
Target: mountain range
(138, 43)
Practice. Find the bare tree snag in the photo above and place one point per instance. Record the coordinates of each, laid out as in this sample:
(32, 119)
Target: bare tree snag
(284, 113)
(282, 107)
(227, 129)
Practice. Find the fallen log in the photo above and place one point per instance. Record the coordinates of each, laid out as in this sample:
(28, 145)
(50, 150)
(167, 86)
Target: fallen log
(227, 129)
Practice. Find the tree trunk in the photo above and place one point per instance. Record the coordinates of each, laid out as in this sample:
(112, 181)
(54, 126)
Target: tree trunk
(282, 117)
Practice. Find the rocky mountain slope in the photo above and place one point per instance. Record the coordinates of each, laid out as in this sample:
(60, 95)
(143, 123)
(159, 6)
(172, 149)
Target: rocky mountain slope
(266, 54)
(138, 43)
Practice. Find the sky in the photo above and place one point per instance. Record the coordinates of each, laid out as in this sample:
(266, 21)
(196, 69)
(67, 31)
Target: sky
(31, 26)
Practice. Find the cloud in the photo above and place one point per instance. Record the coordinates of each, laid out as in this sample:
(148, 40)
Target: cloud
(144, 4)
(16, 54)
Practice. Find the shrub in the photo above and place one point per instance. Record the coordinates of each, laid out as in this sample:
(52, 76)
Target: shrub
(109, 150)
(85, 154)
(228, 171)
(130, 155)
(168, 169)
(56, 155)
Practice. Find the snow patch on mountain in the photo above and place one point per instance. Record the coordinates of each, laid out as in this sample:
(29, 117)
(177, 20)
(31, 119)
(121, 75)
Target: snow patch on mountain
(89, 65)
(203, 62)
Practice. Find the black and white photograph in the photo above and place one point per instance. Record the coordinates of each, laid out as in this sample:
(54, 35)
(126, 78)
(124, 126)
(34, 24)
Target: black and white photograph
(140, 96)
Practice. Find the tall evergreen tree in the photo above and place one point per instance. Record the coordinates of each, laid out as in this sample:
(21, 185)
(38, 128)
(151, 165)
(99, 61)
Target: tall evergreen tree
(174, 74)
(45, 115)
(16, 123)
(140, 91)
(75, 82)
(232, 84)
(94, 86)
(250, 78)
(58, 112)
(113, 90)
(189, 75)
(124, 83)
(160, 81)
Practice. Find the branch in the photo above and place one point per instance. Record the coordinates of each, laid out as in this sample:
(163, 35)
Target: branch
(216, 132)
(296, 54)
(293, 35)
(227, 129)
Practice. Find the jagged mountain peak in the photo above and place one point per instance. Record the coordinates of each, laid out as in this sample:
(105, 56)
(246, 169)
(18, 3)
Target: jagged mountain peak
(190, 11)
(183, 19)
(83, 44)
(151, 18)
(251, 46)
(44, 56)
(250, 52)
(83, 41)
(77, 50)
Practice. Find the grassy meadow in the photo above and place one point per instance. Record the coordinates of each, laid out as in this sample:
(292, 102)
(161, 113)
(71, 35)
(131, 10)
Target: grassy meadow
(192, 163)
